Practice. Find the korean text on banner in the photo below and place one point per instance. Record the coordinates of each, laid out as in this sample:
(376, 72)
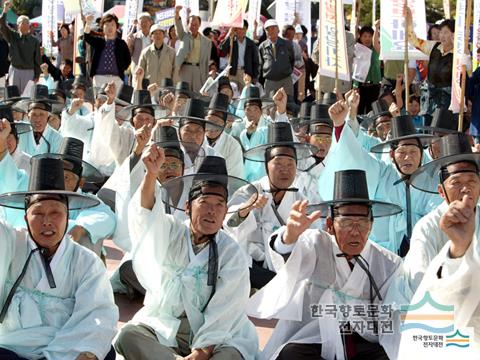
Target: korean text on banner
(49, 23)
(285, 11)
(229, 13)
(459, 49)
(72, 8)
(328, 45)
(193, 5)
(132, 9)
(165, 18)
(392, 29)
(476, 32)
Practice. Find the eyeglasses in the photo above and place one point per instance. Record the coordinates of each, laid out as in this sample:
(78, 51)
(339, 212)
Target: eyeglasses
(323, 139)
(348, 222)
(170, 166)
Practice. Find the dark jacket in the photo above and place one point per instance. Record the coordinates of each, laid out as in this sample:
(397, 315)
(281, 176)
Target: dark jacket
(251, 60)
(4, 63)
(97, 44)
(279, 67)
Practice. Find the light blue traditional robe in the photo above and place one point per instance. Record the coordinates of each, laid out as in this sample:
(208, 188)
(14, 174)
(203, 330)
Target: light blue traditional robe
(382, 179)
(78, 315)
(99, 221)
(49, 143)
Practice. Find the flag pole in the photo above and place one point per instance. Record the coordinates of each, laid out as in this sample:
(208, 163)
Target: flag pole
(405, 67)
(336, 48)
(464, 69)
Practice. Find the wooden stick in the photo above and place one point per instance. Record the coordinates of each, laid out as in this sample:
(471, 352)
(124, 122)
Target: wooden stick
(336, 48)
(464, 69)
(405, 67)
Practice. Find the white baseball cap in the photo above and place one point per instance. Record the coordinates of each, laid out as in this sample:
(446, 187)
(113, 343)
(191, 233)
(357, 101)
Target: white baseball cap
(156, 27)
(270, 22)
(144, 14)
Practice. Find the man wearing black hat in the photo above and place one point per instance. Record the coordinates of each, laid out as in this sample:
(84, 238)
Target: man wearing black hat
(188, 270)
(387, 181)
(87, 228)
(222, 142)
(21, 159)
(328, 272)
(44, 138)
(458, 171)
(279, 189)
(55, 298)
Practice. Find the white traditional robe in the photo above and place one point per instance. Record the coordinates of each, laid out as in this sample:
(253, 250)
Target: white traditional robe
(175, 280)
(231, 150)
(22, 160)
(253, 233)
(314, 275)
(78, 315)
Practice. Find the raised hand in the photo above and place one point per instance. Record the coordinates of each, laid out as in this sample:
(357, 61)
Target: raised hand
(153, 158)
(142, 136)
(5, 129)
(111, 92)
(280, 100)
(338, 112)
(299, 221)
(75, 105)
(257, 202)
(458, 223)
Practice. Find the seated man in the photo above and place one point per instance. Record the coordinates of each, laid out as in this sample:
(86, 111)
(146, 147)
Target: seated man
(56, 301)
(340, 268)
(44, 138)
(387, 181)
(457, 169)
(89, 227)
(189, 269)
(279, 189)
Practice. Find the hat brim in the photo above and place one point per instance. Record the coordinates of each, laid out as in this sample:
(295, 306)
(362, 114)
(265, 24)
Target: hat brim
(427, 179)
(184, 183)
(432, 130)
(303, 150)
(89, 173)
(76, 201)
(379, 208)
(22, 127)
(385, 147)
(193, 150)
(23, 105)
(229, 114)
(126, 112)
(13, 100)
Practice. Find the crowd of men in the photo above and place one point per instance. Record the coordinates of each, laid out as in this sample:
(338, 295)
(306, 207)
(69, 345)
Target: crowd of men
(259, 193)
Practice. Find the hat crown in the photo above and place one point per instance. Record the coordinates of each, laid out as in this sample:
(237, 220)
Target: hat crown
(223, 81)
(444, 119)
(165, 134)
(402, 126)
(379, 107)
(166, 82)
(125, 93)
(46, 174)
(350, 184)
(6, 113)
(252, 92)
(214, 165)
(329, 98)
(72, 147)
(11, 91)
(39, 92)
(305, 109)
(279, 132)
(182, 86)
(80, 80)
(142, 97)
(319, 112)
(454, 144)
(219, 101)
(195, 108)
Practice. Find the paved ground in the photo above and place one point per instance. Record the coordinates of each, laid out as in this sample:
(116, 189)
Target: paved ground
(129, 308)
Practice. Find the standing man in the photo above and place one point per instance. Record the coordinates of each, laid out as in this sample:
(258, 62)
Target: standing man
(243, 57)
(110, 54)
(139, 40)
(277, 60)
(194, 52)
(24, 50)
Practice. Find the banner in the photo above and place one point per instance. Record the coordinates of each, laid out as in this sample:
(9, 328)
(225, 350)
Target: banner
(459, 50)
(72, 8)
(49, 24)
(229, 13)
(392, 29)
(287, 10)
(254, 7)
(328, 45)
(132, 9)
(476, 33)
(446, 9)
(165, 18)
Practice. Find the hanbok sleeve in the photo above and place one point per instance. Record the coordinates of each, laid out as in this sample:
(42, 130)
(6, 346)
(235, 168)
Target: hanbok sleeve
(12, 178)
(7, 243)
(93, 323)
